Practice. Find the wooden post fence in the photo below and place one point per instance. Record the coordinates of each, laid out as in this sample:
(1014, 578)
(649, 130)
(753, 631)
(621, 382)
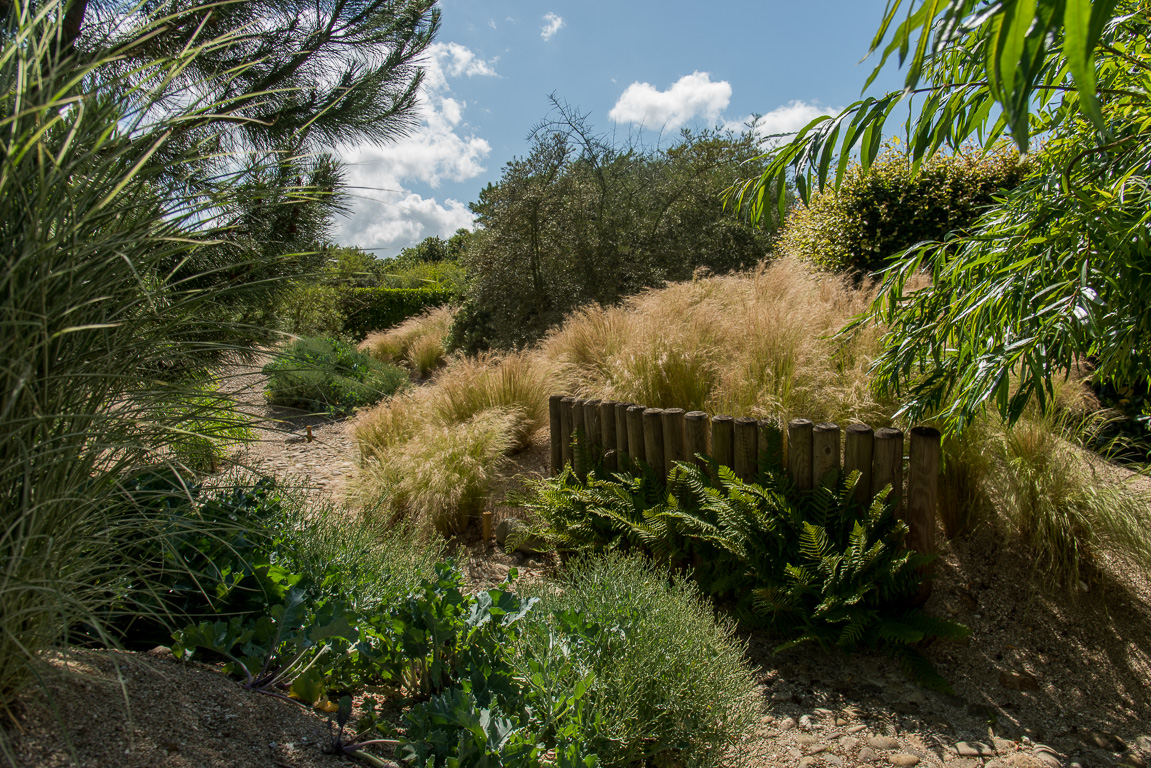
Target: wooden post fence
(588, 432)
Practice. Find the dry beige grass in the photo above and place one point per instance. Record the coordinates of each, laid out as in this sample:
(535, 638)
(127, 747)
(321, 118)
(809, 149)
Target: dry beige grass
(752, 344)
(417, 343)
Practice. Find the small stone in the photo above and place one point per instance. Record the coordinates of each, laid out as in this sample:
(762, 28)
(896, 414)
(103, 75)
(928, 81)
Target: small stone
(1134, 760)
(903, 760)
(1018, 681)
(1143, 744)
(787, 724)
(848, 743)
(840, 721)
(1017, 760)
(964, 762)
(973, 749)
(1048, 759)
(807, 739)
(1002, 746)
(806, 762)
(767, 719)
(805, 722)
(867, 755)
(882, 742)
(831, 759)
(856, 729)
(817, 749)
(794, 753)
(1103, 740)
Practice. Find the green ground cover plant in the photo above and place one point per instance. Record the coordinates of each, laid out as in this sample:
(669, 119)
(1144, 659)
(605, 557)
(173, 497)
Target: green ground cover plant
(812, 566)
(330, 376)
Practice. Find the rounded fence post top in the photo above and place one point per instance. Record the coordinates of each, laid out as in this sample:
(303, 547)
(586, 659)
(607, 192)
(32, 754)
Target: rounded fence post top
(722, 418)
(652, 411)
(637, 408)
(694, 415)
(858, 427)
(826, 426)
(888, 432)
(746, 420)
(924, 431)
(799, 423)
(567, 399)
(673, 410)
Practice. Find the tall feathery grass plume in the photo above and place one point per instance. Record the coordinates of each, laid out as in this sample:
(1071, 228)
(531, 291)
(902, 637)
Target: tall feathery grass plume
(417, 343)
(124, 280)
(431, 455)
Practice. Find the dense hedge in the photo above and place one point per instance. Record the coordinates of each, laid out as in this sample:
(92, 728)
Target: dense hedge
(876, 214)
(376, 309)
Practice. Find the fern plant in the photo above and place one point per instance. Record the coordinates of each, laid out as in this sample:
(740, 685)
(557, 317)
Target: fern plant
(814, 566)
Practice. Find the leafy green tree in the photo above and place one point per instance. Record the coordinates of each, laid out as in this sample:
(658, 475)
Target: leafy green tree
(580, 220)
(1058, 271)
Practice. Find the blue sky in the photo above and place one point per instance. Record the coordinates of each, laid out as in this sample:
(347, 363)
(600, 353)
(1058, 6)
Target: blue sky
(638, 67)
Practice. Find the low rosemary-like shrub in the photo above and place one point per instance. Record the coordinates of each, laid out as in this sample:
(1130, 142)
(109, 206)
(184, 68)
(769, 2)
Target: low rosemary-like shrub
(665, 680)
(814, 566)
(329, 375)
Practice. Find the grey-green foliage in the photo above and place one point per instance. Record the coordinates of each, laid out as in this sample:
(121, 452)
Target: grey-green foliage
(581, 220)
(666, 680)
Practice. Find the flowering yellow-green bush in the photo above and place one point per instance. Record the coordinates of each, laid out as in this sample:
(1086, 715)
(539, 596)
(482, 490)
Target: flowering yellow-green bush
(876, 214)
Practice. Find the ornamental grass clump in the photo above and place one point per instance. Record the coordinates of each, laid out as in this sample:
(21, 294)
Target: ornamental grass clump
(417, 343)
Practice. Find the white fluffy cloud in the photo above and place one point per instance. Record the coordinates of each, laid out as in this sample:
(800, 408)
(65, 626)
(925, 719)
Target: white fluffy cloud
(691, 96)
(387, 216)
(552, 24)
(786, 119)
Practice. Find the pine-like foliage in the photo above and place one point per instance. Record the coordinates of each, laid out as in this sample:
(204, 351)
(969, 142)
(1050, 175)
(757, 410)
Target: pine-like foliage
(813, 565)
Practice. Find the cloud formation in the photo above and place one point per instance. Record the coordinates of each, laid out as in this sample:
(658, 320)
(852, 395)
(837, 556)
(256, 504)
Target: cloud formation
(690, 97)
(387, 216)
(785, 119)
(552, 24)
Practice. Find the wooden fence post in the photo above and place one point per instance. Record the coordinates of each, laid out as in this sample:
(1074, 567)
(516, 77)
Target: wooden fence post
(697, 437)
(673, 437)
(723, 441)
(857, 447)
(555, 433)
(635, 441)
(799, 453)
(607, 434)
(579, 440)
(770, 443)
(653, 441)
(746, 448)
(566, 405)
(887, 466)
(592, 430)
(621, 443)
(825, 453)
(922, 490)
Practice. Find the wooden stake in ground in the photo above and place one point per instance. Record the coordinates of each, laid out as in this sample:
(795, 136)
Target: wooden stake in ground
(592, 430)
(566, 405)
(857, 453)
(697, 437)
(674, 442)
(653, 440)
(922, 496)
(723, 441)
(825, 453)
(746, 448)
(607, 434)
(579, 440)
(799, 453)
(636, 445)
(556, 433)
(887, 466)
(621, 437)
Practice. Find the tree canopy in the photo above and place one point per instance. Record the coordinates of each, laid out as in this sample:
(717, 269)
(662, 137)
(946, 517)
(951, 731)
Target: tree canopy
(1058, 270)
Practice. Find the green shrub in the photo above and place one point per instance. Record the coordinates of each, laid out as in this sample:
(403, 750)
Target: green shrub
(814, 565)
(206, 427)
(329, 375)
(666, 681)
(312, 309)
(875, 215)
(374, 309)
